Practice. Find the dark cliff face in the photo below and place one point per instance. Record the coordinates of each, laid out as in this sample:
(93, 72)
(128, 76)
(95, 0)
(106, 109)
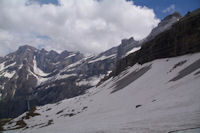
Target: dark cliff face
(165, 24)
(182, 38)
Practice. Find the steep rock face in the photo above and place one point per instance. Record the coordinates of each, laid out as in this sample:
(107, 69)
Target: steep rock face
(14, 70)
(30, 64)
(22, 71)
(182, 38)
(49, 61)
(165, 24)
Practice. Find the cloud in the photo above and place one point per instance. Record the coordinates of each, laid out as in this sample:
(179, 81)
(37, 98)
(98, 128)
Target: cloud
(171, 8)
(89, 26)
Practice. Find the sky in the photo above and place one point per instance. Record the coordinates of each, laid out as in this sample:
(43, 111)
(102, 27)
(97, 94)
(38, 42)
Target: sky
(164, 7)
(88, 26)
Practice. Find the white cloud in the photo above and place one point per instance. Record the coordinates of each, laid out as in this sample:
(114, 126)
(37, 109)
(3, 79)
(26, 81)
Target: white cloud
(89, 26)
(171, 8)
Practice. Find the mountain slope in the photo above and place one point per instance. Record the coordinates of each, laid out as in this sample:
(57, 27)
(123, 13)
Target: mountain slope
(30, 77)
(156, 105)
(149, 91)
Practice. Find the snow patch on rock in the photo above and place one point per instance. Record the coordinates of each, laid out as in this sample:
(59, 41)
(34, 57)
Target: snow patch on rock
(58, 77)
(133, 50)
(9, 74)
(70, 56)
(3, 67)
(91, 81)
(102, 58)
(37, 70)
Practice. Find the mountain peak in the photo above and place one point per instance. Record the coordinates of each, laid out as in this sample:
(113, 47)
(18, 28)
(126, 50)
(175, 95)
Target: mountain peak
(165, 24)
(174, 14)
(53, 52)
(125, 41)
(170, 19)
(26, 47)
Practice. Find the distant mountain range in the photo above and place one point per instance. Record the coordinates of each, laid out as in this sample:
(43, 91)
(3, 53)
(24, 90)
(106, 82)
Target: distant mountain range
(148, 86)
(30, 77)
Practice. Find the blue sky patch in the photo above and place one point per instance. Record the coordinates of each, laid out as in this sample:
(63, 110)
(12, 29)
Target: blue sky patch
(42, 2)
(163, 8)
(44, 37)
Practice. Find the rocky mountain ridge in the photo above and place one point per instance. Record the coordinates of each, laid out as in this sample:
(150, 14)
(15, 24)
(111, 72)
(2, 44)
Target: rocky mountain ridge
(161, 96)
(182, 38)
(30, 77)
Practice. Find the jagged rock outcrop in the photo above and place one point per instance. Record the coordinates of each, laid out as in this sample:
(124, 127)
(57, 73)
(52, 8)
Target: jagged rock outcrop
(125, 46)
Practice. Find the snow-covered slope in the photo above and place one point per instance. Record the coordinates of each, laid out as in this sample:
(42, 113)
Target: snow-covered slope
(156, 97)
